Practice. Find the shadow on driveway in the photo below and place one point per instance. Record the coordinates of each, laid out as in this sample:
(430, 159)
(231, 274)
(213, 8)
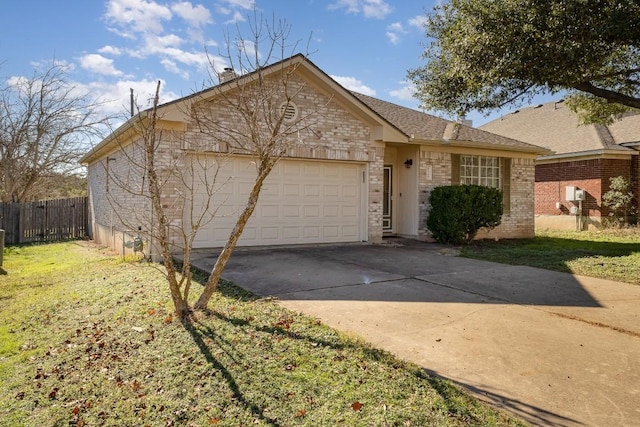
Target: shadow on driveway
(553, 348)
(418, 273)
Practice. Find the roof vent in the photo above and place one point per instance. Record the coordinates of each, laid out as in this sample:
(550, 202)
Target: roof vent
(289, 110)
(227, 75)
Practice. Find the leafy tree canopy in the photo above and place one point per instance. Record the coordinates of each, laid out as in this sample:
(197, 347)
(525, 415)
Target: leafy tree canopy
(486, 54)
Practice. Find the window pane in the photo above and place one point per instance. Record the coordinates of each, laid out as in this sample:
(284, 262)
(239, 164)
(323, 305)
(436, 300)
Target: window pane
(480, 170)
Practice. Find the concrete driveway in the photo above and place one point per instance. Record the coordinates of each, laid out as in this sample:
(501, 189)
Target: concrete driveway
(553, 348)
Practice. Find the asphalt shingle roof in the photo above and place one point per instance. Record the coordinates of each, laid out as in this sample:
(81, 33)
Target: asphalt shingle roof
(422, 126)
(553, 125)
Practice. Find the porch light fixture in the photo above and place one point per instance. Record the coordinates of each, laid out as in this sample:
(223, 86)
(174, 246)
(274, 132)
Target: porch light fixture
(408, 163)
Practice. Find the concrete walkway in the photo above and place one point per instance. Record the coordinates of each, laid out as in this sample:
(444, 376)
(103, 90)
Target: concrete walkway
(553, 348)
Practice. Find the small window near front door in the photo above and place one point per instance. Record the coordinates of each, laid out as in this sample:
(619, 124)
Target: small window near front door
(387, 201)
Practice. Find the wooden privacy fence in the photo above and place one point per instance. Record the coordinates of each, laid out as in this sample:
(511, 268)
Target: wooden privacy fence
(44, 221)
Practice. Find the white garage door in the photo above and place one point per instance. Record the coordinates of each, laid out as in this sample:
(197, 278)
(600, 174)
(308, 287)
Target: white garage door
(301, 202)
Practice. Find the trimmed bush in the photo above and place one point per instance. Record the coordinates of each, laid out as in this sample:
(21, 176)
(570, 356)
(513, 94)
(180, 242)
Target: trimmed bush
(458, 212)
(619, 200)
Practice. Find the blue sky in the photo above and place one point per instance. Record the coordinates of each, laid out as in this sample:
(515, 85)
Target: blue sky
(112, 45)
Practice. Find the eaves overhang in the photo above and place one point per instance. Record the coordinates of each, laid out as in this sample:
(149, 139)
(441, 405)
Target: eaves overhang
(586, 155)
(444, 143)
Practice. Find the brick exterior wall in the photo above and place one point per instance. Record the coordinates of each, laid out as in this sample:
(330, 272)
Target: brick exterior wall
(592, 175)
(518, 222)
(337, 136)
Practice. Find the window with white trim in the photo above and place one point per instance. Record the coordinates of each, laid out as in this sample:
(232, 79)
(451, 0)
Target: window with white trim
(480, 170)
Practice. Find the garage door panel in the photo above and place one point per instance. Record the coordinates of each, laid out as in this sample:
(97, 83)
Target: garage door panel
(312, 190)
(331, 190)
(311, 211)
(301, 202)
(349, 211)
(291, 233)
(291, 190)
(349, 231)
(249, 234)
(349, 190)
(289, 211)
(331, 170)
(270, 233)
(291, 169)
(330, 211)
(311, 232)
(330, 231)
(350, 172)
(268, 190)
(269, 211)
(312, 169)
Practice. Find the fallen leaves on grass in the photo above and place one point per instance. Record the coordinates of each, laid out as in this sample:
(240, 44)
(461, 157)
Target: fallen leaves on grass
(119, 358)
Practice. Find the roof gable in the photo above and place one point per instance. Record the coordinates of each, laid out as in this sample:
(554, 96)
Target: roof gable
(389, 122)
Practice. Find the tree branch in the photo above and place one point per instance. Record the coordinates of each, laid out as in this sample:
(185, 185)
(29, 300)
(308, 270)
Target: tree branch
(609, 95)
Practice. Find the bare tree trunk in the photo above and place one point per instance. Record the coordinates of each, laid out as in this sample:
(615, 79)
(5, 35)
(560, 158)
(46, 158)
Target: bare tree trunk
(221, 262)
(180, 304)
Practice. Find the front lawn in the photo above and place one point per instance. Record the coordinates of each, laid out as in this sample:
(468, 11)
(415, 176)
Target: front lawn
(89, 340)
(607, 254)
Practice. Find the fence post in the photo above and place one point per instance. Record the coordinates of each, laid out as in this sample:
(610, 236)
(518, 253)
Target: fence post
(1, 245)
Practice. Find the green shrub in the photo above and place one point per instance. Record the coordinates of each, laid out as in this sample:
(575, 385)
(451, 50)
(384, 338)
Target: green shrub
(619, 200)
(458, 212)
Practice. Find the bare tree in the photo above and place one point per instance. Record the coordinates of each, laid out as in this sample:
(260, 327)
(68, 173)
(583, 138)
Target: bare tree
(46, 123)
(248, 115)
(259, 120)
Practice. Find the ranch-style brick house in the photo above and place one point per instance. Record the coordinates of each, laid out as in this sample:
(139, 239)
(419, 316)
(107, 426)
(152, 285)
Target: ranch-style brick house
(364, 171)
(584, 158)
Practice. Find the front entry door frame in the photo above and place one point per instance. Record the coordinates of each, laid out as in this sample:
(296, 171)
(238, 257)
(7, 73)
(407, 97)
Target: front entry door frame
(387, 202)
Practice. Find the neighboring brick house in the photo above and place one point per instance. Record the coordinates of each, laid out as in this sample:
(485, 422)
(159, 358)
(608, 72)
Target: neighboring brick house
(585, 157)
(365, 170)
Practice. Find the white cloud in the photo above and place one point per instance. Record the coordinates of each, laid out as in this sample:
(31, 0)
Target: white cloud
(376, 8)
(393, 32)
(172, 67)
(418, 21)
(352, 6)
(396, 27)
(405, 93)
(62, 64)
(157, 43)
(110, 50)
(235, 9)
(115, 98)
(351, 83)
(393, 37)
(369, 8)
(243, 4)
(237, 17)
(139, 16)
(98, 64)
(196, 16)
